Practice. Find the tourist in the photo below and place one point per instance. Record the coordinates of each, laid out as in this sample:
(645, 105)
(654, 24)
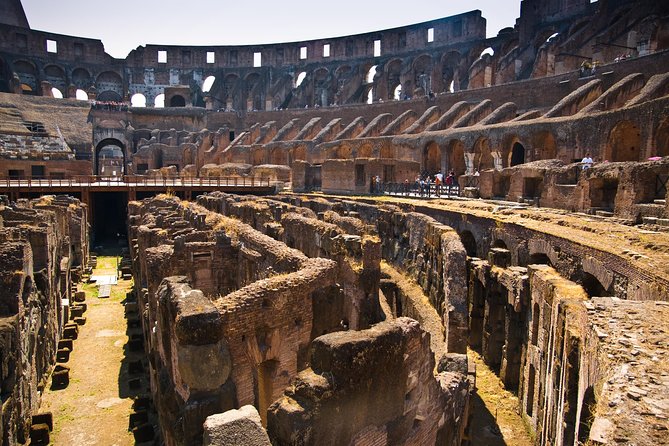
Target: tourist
(450, 182)
(587, 161)
(437, 184)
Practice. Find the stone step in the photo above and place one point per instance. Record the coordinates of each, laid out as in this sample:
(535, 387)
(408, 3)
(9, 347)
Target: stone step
(660, 201)
(604, 214)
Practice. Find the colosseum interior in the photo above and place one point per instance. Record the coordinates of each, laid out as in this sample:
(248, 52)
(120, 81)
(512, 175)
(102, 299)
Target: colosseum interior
(269, 257)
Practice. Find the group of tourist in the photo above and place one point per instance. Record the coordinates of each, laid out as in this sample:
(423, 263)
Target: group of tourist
(109, 105)
(426, 184)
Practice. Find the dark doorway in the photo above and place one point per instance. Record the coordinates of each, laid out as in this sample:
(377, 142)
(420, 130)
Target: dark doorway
(469, 242)
(517, 154)
(593, 287)
(109, 216)
(177, 101)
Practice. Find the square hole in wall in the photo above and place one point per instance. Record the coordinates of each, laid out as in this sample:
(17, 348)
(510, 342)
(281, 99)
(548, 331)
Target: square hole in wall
(51, 46)
(211, 57)
(162, 56)
(326, 50)
(430, 35)
(257, 59)
(303, 52)
(377, 48)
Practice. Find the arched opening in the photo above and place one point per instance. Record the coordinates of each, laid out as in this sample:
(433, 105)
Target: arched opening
(662, 139)
(483, 155)
(469, 242)
(300, 78)
(499, 243)
(544, 146)
(81, 95)
(592, 286)
(588, 407)
(138, 100)
(397, 93)
(456, 157)
(177, 101)
(56, 93)
(539, 258)
(110, 159)
(365, 151)
(28, 76)
(56, 77)
(517, 154)
(370, 96)
(159, 102)
(207, 84)
(432, 158)
(488, 51)
(370, 74)
(110, 86)
(81, 78)
(624, 143)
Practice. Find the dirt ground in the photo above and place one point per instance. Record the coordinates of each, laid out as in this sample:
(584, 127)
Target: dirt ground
(495, 420)
(94, 408)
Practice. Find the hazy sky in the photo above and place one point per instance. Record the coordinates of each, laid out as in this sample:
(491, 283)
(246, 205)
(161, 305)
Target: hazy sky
(123, 25)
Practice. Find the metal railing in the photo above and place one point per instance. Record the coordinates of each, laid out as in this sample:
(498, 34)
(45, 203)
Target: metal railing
(133, 181)
(412, 189)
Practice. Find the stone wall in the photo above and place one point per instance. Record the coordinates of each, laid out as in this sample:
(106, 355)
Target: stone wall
(44, 247)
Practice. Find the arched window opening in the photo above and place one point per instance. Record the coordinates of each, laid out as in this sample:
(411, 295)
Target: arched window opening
(370, 74)
(138, 100)
(499, 244)
(370, 96)
(81, 95)
(432, 158)
(593, 286)
(517, 154)
(56, 93)
(208, 82)
(159, 102)
(488, 50)
(300, 78)
(397, 94)
(177, 101)
(451, 87)
(110, 161)
(624, 143)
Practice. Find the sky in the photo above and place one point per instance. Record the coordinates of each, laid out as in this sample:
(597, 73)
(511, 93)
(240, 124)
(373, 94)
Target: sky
(123, 25)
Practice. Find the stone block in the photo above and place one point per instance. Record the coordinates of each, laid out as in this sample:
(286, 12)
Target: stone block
(60, 378)
(499, 257)
(237, 427)
(39, 434)
(138, 418)
(143, 433)
(80, 296)
(43, 418)
(63, 355)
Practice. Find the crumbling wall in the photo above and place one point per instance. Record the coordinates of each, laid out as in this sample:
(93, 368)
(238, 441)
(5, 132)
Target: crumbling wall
(38, 242)
(388, 392)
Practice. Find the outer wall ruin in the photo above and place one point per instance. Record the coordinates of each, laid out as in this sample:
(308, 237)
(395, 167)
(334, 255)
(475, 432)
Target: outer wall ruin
(43, 251)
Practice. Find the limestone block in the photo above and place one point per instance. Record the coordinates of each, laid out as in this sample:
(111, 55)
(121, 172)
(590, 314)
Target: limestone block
(241, 427)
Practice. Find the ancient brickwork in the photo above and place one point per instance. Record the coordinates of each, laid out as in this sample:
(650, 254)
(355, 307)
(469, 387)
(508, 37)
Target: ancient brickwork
(388, 392)
(43, 250)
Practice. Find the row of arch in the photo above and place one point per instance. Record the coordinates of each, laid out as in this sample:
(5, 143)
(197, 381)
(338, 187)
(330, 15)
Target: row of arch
(624, 143)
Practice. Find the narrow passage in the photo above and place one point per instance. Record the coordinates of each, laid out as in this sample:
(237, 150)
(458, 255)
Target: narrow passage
(495, 418)
(94, 408)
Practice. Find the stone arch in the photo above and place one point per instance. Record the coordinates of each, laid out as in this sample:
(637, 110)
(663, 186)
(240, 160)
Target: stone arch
(517, 154)
(662, 139)
(450, 63)
(592, 286)
(343, 152)
(109, 84)
(393, 73)
(422, 69)
(456, 157)
(81, 78)
(177, 101)
(322, 94)
(27, 73)
(483, 157)
(253, 97)
(365, 151)
(230, 86)
(138, 100)
(387, 151)
(279, 156)
(56, 76)
(624, 143)
(431, 158)
(299, 153)
(117, 159)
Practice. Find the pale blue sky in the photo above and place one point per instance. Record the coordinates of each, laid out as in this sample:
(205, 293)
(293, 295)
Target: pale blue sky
(123, 25)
